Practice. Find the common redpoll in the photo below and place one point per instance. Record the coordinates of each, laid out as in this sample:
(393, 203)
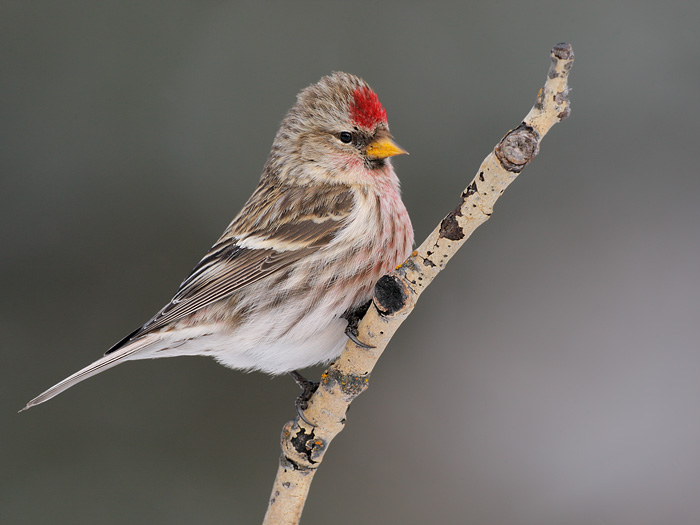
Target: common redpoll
(325, 222)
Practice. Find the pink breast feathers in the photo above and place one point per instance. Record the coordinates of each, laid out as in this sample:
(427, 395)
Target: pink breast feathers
(366, 111)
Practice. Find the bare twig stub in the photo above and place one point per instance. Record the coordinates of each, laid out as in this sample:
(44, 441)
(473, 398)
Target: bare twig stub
(303, 445)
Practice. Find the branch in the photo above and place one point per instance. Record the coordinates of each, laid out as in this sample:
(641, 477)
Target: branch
(395, 295)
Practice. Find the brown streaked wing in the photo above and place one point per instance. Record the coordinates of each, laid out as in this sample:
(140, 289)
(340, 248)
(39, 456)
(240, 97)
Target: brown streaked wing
(228, 267)
(273, 207)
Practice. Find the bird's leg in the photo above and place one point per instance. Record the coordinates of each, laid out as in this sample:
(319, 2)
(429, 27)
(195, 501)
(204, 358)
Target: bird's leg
(307, 390)
(308, 387)
(353, 317)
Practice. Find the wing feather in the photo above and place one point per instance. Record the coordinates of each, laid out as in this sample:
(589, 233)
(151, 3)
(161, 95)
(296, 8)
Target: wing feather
(230, 266)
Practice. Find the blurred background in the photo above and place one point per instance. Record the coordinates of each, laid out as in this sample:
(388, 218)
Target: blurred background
(550, 375)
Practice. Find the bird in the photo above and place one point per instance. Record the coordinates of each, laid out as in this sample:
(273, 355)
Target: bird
(277, 290)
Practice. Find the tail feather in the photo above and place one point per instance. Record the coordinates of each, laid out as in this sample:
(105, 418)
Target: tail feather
(102, 364)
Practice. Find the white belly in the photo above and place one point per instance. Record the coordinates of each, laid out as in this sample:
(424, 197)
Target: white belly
(260, 344)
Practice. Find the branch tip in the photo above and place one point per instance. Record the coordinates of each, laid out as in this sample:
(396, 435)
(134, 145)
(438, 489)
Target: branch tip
(563, 51)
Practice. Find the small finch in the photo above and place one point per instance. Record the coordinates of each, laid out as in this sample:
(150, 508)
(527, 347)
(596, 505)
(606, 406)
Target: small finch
(275, 292)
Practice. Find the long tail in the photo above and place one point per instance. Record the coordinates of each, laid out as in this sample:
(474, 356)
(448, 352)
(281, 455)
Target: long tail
(102, 364)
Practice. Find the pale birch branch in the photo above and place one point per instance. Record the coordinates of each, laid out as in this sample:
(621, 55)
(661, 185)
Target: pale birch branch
(303, 445)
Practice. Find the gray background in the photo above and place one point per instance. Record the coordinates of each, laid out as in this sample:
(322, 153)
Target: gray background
(550, 374)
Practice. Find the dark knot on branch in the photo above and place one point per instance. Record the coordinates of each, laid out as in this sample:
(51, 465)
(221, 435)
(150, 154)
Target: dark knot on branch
(517, 149)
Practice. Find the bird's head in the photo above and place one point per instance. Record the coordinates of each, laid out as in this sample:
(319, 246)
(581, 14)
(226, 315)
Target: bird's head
(337, 131)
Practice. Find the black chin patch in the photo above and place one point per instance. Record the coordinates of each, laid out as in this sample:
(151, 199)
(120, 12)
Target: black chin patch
(375, 164)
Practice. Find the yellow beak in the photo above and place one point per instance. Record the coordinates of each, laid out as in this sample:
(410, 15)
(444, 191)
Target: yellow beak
(384, 147)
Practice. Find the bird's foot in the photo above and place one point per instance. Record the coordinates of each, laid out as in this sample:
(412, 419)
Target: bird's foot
(308, 388)
(353, 317)
(352, 335)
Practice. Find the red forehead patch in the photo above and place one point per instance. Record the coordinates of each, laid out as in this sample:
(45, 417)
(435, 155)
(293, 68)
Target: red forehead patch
(366, 111)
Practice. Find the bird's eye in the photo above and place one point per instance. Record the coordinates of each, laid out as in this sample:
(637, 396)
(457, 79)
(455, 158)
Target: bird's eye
(345, 137)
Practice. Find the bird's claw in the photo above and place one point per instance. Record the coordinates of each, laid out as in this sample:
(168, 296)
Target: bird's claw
(352, 335)
(353, 318)
(308, 388)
